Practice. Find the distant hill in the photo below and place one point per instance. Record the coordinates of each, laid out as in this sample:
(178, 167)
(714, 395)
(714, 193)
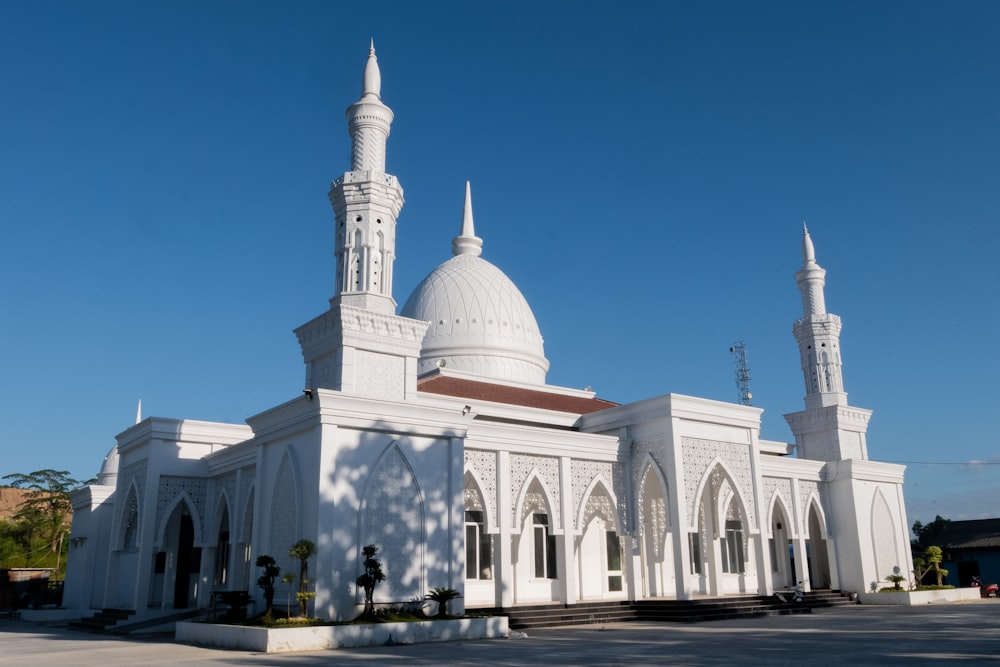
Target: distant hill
(10, 501)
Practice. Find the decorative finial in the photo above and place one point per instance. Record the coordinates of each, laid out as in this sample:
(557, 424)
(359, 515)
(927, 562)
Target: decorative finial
(808, 251)
(372, 84)
(467, 243)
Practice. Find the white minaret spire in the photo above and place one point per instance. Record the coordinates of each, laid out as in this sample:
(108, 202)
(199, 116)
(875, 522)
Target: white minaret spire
(467, 243)
(368, 120)
(828, 429)
(371, 85)
(811, 278)
(818, 333)
(360, 346)
(366, 202)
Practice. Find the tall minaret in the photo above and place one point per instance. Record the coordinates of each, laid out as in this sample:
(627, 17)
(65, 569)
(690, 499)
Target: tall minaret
(366, 202)
(360, 346)
(828, 429)
(818, 334)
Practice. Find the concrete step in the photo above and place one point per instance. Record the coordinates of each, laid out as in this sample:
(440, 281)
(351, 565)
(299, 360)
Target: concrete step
(675, 611)
(102, 620)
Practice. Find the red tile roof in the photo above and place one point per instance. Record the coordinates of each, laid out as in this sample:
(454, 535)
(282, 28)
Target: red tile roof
(498, 393)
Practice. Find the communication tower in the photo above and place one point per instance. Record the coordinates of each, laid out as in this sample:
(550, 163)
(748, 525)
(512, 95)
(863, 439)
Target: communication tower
(742, 367)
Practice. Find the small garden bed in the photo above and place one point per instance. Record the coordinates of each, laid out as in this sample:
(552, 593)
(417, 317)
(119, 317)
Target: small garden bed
(889, 596)
(280, 639)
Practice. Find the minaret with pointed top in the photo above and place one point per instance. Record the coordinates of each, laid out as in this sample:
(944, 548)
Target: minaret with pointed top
(828, 429)
(366, 203)
(360, 346)
(818, 334)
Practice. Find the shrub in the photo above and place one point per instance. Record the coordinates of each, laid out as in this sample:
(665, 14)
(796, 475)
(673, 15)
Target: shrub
(369, 578)
(266, 582)
(442, 596)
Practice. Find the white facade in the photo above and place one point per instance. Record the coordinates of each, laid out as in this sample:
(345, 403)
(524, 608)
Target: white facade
(432, 434)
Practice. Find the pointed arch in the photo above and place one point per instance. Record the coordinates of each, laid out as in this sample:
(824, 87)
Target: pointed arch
(222, 505)
(284, 509)
(813, 505)
(246, 525)
(129, 521)
(473, 484)
(535, 495)
(780, 534)
(652, 473)
(179, 499)
(779, 502)
(883, 531)
(608, 511)
(723, 506)
(392, 516)
(715, 473)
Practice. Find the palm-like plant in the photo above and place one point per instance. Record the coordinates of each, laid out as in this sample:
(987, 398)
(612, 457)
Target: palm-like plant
(442, 596)
(303, 550)
(372, 575)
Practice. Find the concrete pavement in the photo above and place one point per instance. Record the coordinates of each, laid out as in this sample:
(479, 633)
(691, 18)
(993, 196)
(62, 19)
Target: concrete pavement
(936, 634)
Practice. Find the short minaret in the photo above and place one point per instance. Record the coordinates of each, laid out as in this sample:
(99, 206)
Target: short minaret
(366, 203)
(828, 429)
(360, 346)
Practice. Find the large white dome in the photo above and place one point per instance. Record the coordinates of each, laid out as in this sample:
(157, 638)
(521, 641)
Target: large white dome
(479, 321)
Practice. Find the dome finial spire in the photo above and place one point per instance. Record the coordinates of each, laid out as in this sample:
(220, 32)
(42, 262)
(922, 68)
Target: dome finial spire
(467, 243)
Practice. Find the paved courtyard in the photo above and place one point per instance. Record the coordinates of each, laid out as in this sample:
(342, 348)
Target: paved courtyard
(936, 634)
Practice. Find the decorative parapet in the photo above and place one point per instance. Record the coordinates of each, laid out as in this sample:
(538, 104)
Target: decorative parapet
(359, 328)
(358, 187)
(842, 417)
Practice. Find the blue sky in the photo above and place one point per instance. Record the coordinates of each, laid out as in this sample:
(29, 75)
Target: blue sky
(642, 173)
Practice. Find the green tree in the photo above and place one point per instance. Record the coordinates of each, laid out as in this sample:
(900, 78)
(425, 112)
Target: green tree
(928, 534)
(930, 562)
(46, 506)
(266, 582)
(371, 576)
(303, 550)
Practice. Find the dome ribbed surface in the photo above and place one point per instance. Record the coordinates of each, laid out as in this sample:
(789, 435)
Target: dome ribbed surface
(479, 322)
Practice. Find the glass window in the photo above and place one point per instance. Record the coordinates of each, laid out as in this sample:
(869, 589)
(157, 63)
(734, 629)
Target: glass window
(614, 547)
(733, 556)
(694, 552)
(545, 548)
(478, 547)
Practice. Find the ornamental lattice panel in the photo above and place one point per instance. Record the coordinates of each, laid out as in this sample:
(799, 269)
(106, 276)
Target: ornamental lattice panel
(698, 454)
(521, 466)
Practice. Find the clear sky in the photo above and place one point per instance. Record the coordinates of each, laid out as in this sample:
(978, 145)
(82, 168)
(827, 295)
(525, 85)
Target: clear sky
(641, 170)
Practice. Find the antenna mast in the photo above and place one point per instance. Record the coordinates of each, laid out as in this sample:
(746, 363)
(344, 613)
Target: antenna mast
(742, 367)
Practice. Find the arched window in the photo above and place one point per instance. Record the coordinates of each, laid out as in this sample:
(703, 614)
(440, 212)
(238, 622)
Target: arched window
(478, 543)
(731, 542)
(222, 550)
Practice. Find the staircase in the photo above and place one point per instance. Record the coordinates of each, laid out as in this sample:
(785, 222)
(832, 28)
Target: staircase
(102, 620)
(116, 621)
(555, 615)
(717, 609)
(677, 611)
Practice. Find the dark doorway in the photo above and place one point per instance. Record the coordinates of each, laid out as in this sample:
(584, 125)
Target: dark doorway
(186, 565)
(967, 569)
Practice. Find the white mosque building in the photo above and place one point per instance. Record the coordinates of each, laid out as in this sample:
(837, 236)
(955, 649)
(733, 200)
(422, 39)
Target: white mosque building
(432, 433)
